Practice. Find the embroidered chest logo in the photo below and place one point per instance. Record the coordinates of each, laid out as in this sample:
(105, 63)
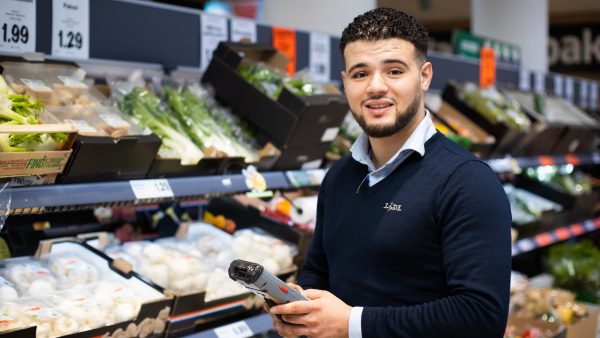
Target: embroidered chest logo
(391, 206)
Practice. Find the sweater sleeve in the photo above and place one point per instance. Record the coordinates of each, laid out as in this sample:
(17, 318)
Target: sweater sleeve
(315, 272)
(473, 216)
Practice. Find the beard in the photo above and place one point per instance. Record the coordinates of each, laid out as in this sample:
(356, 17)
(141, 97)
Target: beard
(385, 130)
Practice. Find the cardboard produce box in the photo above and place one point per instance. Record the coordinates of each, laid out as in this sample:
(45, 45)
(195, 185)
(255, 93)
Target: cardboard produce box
(519, 325)
(289, 122)
(588, 327)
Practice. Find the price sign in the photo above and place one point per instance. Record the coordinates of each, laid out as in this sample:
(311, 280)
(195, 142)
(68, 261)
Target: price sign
(284, 40)
(524, 80)
(319, 56)
(540, 82)
(213, 30)
(594, 104)
(71, 28)
(569, 89)
(487, 67)
(583, 93)
(17, 26)
(558, 85)
(242, 29)
(147, 189)
(235, 330)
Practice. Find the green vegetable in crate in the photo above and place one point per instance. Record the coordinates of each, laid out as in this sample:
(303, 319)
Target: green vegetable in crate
(271, 83)
(576, 266)
(21, 110)
(146, 108)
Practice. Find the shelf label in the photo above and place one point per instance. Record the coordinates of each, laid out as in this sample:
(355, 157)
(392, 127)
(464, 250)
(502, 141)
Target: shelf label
(17, 26)
(213, 30)
(284, 40)
(594, 104)
(569, 89)
(71, 28)
(243, 29)
(540, 82)
(234, 330)
(558, 85)
(524, 80)
(320, 47)
(147, 189)
(583, 93)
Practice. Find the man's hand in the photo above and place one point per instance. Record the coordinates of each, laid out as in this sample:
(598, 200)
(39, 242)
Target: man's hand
(324, 315)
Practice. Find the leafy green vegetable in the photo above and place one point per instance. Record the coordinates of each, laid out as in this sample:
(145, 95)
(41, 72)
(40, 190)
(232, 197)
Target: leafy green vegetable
(576, 266)
(271, 83)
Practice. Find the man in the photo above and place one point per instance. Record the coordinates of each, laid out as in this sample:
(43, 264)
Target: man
(413, 233)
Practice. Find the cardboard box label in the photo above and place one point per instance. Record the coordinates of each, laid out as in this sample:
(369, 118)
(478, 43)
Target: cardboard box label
(330, 134)
(33, 163)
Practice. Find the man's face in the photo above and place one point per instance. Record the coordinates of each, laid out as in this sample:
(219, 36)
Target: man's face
(384, 82)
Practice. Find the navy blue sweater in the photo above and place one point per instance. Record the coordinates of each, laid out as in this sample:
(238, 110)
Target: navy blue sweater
(426, 251)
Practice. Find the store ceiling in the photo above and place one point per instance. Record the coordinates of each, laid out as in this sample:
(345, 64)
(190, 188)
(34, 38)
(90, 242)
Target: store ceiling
(444, 15)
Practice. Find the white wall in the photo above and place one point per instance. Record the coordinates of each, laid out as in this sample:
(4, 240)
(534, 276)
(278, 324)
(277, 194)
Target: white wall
(329, 16)
(524, 22)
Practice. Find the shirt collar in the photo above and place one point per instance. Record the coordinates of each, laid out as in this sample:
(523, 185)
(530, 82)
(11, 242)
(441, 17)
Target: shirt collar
(361, 149)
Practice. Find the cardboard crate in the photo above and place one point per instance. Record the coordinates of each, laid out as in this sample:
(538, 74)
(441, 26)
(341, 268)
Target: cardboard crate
(32, 163)
(291, 121)
(551, 330)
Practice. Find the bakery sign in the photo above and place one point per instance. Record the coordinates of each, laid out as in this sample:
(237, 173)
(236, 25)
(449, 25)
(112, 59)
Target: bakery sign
(574, 48)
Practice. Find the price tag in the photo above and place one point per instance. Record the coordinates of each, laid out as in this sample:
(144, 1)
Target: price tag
(284, 39)
(114, 121)
(242, 29)
(320, 46)
(540, 82)
(524, 80)
(594, 104)
(36, 85)
(71, 28)
(146, 189)
(17, 26)
(82, 126)
(72, 82)
(487, 67)
(213, 29)
(234, 330)
(569, 89)
(558, 85)
(583, 93)
(226, 182)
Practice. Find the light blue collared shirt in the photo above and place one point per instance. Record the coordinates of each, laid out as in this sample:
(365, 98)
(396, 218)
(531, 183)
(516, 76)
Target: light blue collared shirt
(361, 152)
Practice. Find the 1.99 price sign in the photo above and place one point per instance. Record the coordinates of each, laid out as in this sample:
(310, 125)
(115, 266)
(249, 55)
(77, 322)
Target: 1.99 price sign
(70, 28)
(17, 26)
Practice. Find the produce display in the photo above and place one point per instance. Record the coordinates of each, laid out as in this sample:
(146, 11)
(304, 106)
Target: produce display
(527, 207)
(62, 295)
(494, 107)
(576, 267)
(349, 132)
(19, 109)
(199, 262)
(547, 304)
(68, 99)
(562, 178)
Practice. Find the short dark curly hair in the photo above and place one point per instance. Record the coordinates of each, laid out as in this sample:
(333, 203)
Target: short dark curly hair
(386, 23)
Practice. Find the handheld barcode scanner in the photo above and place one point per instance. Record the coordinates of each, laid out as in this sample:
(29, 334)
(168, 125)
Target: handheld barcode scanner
(263, 283)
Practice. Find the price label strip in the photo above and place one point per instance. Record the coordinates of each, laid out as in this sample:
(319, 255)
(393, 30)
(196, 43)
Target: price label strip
(150, 189)
(71, 28)
(17, 26)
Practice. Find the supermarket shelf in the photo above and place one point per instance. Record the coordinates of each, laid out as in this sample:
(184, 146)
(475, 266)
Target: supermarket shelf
(243, 328)
(555, 236)
(64, 197)
(514, 164)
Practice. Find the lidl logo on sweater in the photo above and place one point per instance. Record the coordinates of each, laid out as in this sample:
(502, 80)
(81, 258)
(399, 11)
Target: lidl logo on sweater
(391, 206)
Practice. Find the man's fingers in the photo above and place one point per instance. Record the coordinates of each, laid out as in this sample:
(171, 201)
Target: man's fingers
(291, 330)
(296, 287)
(314, 294)
(295, 319)
(293, 308)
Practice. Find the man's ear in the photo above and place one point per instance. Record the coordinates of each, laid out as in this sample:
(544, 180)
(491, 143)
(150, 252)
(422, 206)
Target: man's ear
(426, 75)
(343, 75)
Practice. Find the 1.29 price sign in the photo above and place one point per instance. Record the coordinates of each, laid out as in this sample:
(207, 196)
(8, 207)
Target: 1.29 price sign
(17, 26)
(70, 28)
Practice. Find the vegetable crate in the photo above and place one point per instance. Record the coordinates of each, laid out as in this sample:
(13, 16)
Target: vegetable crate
(289, 122)
(42, 162)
